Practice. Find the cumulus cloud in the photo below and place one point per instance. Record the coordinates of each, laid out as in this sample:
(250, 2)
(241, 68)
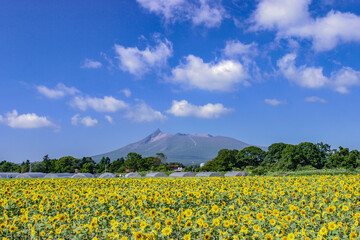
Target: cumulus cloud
(86, 121)
(58, 92)
(221, 76)
(139, 62)
(106, 104)
(345, 78)
(314, 99)
(109, 119)
(28, 120)
(89, 63)
(310, 77)
(126, 92)
(274, 102)
(292, 19)
(201, 12)
(236, 48)
(185, 109)
(209, 16)
(313, 77)
(142, 112)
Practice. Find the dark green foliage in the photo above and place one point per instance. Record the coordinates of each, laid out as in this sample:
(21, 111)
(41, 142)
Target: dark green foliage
(103, 165)
(67, 164)
(291, 157)
(273, 154)
(9, 167)
(250, 156)
(132, 160)
(225, 161)
(312, 155)
(117, 165)
(279, 157)
(343, 158)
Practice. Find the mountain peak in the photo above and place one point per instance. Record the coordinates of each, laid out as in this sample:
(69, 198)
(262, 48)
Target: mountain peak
(184, 148)
(157, 132)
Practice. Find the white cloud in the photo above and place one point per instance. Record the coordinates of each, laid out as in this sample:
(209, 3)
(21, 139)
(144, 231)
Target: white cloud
(221, 76)
(106, 104)
(236, 48)
(86, 121)
(89, 63)
(210, 16)
(139, 62)
(314, 99)
(126, 92)
(292, 19)
(274, 102)
(201, 12)
(110, 119)
(280, 15)
(58, 92)
(28, 120)
(142, 112)
(345, 78)
(304, 76)
(185, 109)
(313, 77)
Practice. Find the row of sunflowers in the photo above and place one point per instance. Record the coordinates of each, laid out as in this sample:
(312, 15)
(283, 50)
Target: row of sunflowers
(315, 207)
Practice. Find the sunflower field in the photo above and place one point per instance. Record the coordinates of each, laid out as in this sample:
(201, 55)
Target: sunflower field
(315, 207)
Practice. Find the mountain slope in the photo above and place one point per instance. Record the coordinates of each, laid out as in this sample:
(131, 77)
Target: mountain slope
(184, 148)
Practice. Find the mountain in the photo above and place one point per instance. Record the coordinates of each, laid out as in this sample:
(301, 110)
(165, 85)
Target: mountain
(184, 148)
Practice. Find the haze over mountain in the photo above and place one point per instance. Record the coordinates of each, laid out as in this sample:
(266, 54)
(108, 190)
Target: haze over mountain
(184, 148)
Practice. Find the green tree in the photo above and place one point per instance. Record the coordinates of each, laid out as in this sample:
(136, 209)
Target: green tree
(9, 167)
(343, 158)
(325, 150)
(117, 165)
(273, 155)
(67, 164)
(47, 164)
(250, 156)
(312, 155)
(87, 168)
(162, 157)
(352, 160)
(224, 161)
(291, 157)
(103, 165)
(37, 167)
(132, 160)
(25, 166)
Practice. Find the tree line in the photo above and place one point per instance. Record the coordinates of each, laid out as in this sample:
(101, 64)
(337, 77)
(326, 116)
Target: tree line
(132, 162)
(278, 157)
(281, 156)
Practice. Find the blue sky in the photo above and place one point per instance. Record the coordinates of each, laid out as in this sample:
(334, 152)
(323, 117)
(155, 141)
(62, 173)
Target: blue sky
(82, 78)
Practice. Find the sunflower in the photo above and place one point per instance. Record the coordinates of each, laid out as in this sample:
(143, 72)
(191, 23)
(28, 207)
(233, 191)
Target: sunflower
(138, 235)
(24, 219)
(352, 235)
(332, 226)
(169, 222)
(260, 216)
(166, 231)
(226, 224)
(216, 222)
(157, 225)
(323, 231)
(268, 236)
(188, 212)
(207, 236)
(58, 231)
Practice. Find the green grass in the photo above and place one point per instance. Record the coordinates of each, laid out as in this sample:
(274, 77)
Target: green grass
(311, 172)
